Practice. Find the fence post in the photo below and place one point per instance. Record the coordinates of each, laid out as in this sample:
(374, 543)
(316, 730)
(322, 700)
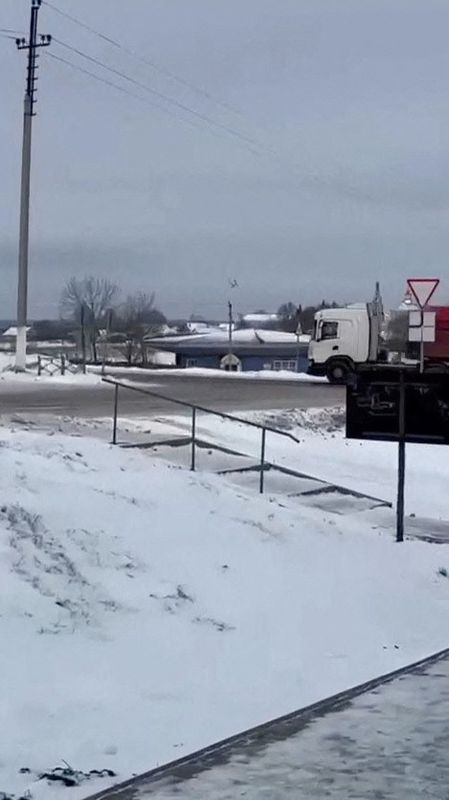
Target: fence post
(39, 366)
(114, 427)
(62, 364)
(262, 462)
(192, 466)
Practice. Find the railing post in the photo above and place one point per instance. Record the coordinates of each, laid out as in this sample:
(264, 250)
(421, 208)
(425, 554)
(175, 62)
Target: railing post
(262, 461)
(192, 465)
(114, 427)
(62, 364)
(39, 366)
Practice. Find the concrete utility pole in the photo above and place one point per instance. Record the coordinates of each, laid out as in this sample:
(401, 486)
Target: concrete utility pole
(32, 46)
(230, 329)
(234, 285)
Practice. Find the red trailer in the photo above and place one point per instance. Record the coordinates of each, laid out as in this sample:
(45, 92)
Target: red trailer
(439, 349)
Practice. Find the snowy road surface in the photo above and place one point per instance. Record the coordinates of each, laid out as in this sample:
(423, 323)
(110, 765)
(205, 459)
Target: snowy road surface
(388, 744)
(223, 393)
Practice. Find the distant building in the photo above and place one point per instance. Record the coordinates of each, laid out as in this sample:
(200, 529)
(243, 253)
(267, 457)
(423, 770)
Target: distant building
(201, 327)
(8, 337)
(251, 350)
(11, 333)
(259, 320)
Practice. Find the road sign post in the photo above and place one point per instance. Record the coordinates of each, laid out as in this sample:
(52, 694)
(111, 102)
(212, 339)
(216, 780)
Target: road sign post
(422, 290)
(397, 403)
(401, 461)
(421, 349)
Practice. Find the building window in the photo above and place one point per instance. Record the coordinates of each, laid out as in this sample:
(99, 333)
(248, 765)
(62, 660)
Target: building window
(329, 330)
(191, 362)
(289, 365)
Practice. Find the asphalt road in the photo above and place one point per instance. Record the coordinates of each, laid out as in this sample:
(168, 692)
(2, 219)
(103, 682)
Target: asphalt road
(225, 394)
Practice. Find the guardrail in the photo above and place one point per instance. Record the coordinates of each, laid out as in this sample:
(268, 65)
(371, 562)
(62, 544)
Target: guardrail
(194, 409)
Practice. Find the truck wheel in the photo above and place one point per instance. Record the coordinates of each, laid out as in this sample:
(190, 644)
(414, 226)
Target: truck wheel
(338, 372)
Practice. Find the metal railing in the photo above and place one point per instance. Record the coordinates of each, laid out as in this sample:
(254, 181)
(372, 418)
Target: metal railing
(57, 365)
(195, 407)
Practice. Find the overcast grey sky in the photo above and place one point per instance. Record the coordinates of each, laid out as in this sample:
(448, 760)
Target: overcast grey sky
(348, 101)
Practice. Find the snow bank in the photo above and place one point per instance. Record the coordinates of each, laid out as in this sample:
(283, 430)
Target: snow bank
(7, 374)
(146, 612)
(203, 372)
(31, 379)
(7, 361)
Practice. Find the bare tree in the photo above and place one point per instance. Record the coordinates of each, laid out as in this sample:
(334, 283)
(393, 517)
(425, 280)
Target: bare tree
(289, 316)
(87, 300)
(140, 318)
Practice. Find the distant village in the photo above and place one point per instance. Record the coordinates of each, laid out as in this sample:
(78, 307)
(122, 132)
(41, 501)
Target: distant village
(95, 328)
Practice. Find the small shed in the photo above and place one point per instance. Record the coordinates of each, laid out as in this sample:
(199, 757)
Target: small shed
(8, 338)
(10, 334)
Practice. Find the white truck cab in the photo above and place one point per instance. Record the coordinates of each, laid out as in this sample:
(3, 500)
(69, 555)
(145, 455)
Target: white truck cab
(342, 338)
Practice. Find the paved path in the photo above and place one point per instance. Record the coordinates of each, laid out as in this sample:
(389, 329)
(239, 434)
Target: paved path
(221, 393)
(390, 743)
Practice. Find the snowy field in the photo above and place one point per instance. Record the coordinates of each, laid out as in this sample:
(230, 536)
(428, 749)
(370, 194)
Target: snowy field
(146, 611)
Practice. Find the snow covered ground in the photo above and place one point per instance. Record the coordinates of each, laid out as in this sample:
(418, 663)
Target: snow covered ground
(31, 378)
(322, 451)
(262, 374)
(7, 361)
(94, 373)
(146, 612)
(203, 372)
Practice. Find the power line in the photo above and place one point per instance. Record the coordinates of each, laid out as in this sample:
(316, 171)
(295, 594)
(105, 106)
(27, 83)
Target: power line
(231, 131)
(150, 63)
(145, 100)
(8, 33)
(97, 77)
(249, 144)
(256, 148)
(81, 24)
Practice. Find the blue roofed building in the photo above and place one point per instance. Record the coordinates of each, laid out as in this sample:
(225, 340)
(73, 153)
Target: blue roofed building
(249, 350)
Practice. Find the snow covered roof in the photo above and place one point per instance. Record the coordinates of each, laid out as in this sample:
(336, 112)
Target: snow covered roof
(244, 335)
(202, 327)
(248, 338)
(12, 331)
(261, 318)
